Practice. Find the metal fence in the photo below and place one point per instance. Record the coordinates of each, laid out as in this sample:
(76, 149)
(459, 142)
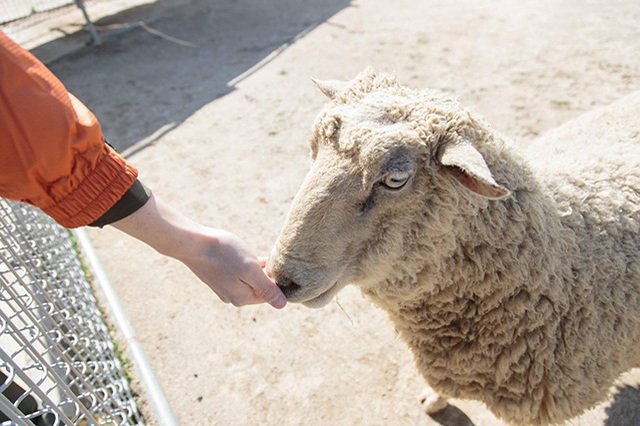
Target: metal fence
(58, 364)
(52, 29)
(17, 11)
(21, 19)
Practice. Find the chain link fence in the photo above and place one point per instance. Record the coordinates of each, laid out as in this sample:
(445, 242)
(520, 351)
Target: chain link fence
(52, 29)
(16, 14)
(33, 22)
(58, 364)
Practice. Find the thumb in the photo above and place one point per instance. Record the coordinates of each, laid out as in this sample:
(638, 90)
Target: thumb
(267, 289)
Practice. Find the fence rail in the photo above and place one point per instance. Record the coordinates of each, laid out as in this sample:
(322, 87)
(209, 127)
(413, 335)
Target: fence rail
(58, 364)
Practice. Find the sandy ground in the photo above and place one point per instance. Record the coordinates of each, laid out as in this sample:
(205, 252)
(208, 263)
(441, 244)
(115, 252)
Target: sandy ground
(219, 129)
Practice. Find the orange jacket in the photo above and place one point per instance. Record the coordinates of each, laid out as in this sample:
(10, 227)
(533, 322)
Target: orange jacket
(52, 152)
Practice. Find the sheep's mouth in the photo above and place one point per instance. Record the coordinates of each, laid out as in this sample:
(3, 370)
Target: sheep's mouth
(311, 299)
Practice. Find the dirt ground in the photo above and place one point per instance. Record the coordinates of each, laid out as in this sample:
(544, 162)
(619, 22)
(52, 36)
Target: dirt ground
(219, 128)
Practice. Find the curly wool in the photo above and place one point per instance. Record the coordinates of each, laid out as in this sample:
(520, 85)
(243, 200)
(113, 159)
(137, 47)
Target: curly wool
(531, 303)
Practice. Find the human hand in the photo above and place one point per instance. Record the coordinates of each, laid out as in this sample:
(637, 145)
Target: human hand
(223, 261)
(219, 258)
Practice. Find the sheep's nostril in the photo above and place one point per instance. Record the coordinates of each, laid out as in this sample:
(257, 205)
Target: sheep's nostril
(290, 290)
(287, 286)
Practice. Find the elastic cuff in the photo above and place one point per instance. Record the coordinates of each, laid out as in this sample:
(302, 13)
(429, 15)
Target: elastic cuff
(136, 197)
(97, 193)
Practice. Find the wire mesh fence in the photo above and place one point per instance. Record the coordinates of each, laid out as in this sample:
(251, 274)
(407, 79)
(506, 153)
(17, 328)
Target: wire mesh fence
(58, 364)
(17, 11)
(31, 22)
(52, 29)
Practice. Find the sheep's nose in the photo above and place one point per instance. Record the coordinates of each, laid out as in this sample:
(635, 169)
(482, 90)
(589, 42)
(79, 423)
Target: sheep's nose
(287, 286)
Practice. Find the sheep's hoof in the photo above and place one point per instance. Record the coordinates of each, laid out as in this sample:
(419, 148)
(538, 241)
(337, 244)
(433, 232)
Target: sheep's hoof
(432, 402)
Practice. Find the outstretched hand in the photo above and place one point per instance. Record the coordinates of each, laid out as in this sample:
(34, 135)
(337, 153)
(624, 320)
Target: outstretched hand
(219, 258)
(225, 264)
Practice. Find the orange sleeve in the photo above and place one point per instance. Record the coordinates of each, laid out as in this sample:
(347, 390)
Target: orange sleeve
(52, 152)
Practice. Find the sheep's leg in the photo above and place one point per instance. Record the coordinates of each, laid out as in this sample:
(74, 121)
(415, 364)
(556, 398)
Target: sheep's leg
(432, 402)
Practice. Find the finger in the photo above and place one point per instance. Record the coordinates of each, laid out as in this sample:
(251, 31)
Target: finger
(266, 288)
(278, 301)
(244, 295)
(263, 261)
(254, 299)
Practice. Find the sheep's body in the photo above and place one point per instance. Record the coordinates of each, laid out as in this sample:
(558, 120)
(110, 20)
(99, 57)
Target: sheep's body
(537, 310)
(529, 303)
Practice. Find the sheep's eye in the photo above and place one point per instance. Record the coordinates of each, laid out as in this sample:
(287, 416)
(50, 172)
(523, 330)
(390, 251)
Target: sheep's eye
(396, 180)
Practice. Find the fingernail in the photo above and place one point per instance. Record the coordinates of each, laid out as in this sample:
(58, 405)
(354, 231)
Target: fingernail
(278, 302)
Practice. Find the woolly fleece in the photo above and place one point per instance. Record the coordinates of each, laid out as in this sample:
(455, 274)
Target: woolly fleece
(515, 280)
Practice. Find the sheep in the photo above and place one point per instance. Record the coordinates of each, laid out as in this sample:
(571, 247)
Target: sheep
(514, 282)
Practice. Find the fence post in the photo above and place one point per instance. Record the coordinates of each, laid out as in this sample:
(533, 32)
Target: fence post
(92, 29)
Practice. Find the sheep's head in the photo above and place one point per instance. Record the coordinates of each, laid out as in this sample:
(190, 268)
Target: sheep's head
(382, 155)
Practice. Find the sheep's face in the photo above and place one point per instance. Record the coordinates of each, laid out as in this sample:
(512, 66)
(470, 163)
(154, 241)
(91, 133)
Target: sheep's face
(373, 172)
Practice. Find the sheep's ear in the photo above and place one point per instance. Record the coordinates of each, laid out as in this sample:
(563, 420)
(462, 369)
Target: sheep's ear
(464, 163)
(330, 87)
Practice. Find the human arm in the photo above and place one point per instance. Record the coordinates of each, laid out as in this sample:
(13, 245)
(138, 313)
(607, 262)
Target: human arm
(219, 258)
(53, 156)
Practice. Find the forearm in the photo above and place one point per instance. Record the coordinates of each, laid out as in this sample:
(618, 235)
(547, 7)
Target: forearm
(219, 258)
(161, 227)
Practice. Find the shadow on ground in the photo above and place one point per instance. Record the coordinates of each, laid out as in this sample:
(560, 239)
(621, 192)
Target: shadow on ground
(225, 40)
(451, 416)
(624, 409)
